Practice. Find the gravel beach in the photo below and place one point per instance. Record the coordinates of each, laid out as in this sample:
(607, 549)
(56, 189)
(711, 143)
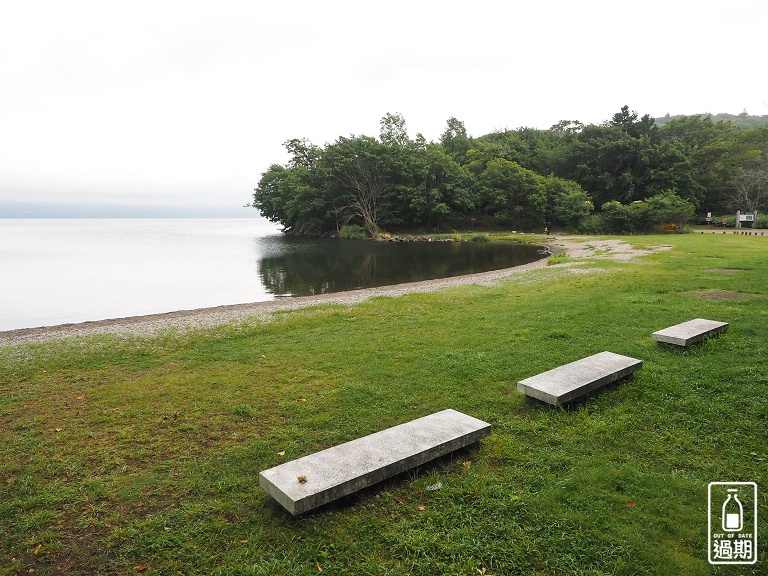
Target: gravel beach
(144, 326)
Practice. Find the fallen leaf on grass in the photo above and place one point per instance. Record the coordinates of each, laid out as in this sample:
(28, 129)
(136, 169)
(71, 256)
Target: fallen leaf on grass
(631, 504)
(38, 548)
(466, 464)
(319, 569)
(302, 399)
(281, 453)
(80, 397)
(243, 541)
(396, 499)
(422, 507)
(142, 568)
(59, 429)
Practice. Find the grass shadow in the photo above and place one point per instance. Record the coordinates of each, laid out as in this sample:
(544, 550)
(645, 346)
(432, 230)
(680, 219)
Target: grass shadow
(578, 403)
(396, 482)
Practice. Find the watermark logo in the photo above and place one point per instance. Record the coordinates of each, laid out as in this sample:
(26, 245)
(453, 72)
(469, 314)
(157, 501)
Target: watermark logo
(732, 523)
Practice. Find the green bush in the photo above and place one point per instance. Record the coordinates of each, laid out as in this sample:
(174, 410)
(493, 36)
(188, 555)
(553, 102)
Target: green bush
(648, 215)
(669, 207)
(353, 232)
(592, 224)
(480, 238)
(730, 221)
(617, 218)
(762, 221)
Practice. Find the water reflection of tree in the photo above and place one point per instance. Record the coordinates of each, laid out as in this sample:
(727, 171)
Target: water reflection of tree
(348, 265)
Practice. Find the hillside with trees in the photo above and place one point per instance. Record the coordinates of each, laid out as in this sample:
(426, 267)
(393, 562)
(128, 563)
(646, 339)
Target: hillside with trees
(743, 120)
(626, 175)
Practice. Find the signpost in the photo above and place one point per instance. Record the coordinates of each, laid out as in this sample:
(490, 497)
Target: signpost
(746, 218)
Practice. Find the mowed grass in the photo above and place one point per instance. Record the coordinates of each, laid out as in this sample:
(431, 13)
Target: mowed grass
(142, 456)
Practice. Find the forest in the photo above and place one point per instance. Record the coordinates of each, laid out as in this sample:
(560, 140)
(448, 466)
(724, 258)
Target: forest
(630, 174)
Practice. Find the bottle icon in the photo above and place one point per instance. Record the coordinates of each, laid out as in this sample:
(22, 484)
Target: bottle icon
(733, 512)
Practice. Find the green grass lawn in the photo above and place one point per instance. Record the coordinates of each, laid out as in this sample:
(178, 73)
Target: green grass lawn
(142, 456)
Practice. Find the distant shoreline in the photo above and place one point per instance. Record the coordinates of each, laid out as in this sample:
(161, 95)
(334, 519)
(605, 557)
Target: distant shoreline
(45, 210)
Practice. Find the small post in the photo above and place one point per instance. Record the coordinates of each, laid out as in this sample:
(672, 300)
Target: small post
(754, 219)
(738, 218)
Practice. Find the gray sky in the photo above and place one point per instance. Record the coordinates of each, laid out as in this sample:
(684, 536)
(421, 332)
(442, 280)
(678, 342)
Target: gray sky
(171, 102)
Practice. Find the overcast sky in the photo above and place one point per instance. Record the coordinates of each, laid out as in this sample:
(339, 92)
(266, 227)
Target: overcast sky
(184, 102)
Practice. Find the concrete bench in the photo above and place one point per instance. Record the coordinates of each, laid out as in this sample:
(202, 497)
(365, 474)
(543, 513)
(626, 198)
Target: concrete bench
(314, 480)
(690, 332)
(568, 382)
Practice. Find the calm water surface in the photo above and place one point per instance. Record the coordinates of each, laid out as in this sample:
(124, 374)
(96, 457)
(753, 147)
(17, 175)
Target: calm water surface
(55, 271)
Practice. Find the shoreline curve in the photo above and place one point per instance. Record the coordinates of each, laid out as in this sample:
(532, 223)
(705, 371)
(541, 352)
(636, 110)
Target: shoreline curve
(150, 324)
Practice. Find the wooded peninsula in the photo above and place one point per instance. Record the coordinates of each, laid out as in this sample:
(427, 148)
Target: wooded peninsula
(630, 174)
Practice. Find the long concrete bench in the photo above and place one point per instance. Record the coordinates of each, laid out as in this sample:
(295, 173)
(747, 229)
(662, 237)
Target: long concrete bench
(690, 332)
(314, 480)
(568, 382)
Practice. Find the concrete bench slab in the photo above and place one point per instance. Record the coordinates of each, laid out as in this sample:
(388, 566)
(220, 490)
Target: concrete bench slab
(690, 332)
(568, 382)
(314, 480)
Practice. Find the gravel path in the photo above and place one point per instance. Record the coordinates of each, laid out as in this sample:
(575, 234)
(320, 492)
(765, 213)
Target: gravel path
(209, 317)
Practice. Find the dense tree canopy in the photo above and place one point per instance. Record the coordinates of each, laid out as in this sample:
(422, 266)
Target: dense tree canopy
(634, 172)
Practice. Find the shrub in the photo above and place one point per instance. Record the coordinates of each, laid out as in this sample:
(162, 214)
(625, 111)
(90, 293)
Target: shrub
(353, 232)
(480, 238)
(616, 218)
(592, 224)
(730, 221)
(648, 215)
(669, 207)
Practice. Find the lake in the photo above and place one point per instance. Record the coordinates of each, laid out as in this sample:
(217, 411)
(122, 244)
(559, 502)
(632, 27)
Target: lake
(56, 271)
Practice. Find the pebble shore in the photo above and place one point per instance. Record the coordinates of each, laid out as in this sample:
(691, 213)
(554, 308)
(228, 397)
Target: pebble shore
(147, 326)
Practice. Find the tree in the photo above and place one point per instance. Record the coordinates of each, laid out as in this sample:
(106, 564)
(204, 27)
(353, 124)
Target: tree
(455, 140)
(448, 191)
(285, 195)
(751, 188)
(356, 166)
(510, 191)
(393, 131)
(570, 204)
(626, 159)
(303, 153)
(628, 123)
